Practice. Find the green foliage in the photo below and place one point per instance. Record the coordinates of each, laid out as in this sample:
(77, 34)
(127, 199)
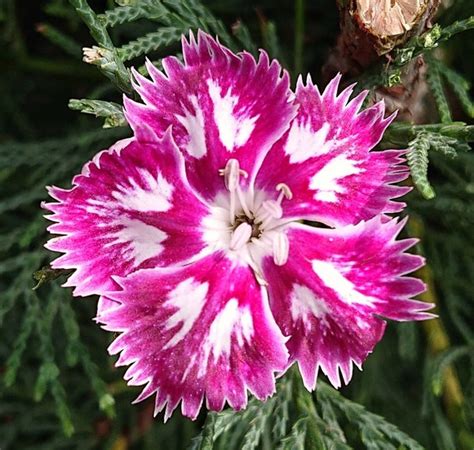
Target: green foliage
(430, 40)
(242, 33)
(297, 438)
(41, 307)
(417, 158)
(14, 360)
(311, 422)
(58, 388)
(375, 431)
(144, 9)
(60, 39)
(448, 139)
(390, 75)
(106, 57)
(112, 112)
(433, 76)
(456, 82)
(270, 40)
(460, 87)
(162, 38)
(205, 440)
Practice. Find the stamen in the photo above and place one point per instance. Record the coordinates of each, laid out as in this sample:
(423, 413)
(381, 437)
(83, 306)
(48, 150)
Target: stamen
(273, 208)
(271, 211)
(281, 248)
(243, 203)
(240, 236)
(285, 191)
(252, 262)
(253, 225)
(258, 243)
(231, 174)
(244, 173)
(232, 207)
(259, 277)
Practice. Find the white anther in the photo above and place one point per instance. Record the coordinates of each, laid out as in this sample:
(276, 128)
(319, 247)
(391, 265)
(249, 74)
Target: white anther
(285, 191)
(231, 174)
(273, 208)
(240, 236)
(281, 248)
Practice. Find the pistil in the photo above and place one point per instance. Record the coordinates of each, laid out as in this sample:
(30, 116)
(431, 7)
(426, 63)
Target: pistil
(231, 174)
(260, 225)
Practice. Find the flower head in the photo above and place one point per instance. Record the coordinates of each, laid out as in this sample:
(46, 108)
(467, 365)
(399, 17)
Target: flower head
(193, 233)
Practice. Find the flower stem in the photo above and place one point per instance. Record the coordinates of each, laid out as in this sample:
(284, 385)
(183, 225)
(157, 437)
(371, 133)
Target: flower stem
(299, 36)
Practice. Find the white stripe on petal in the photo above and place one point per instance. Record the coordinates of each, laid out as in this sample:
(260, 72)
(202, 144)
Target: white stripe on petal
(334, 279)
(327, 180)
(304, 143)
(156, 196)
(304, 304)
(234, 127)
(194, 125)
(142, 241)
(188, 298)
(231, 320)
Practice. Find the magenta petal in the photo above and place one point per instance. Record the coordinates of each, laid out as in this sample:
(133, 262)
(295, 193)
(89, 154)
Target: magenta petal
(336, 283)
(220, 106)
(326, 161)
(124, 212)
(203, 331)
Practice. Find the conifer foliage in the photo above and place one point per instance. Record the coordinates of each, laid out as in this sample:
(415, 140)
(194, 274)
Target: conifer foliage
(58, 387)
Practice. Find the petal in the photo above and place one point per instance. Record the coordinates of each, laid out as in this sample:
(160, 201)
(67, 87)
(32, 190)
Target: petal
(326, 161)
(201, 331)
(130, 208)
(336, 283)
(220, 105)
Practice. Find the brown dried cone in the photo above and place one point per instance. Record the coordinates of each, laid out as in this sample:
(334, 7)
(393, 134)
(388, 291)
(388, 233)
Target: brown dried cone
(370, 30)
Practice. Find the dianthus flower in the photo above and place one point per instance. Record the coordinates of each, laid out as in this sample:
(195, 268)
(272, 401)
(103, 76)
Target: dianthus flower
(196, 234)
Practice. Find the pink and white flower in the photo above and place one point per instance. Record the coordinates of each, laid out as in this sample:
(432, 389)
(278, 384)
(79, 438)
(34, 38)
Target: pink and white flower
(192, 231)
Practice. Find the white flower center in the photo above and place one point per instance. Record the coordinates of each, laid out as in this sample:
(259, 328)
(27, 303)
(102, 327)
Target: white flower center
(247, 225)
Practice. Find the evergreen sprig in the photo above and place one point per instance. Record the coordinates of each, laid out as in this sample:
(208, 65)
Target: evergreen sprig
(417, 158)
(430, 40)
(112, 112)
(106, 56)
(456, 82)
(141, 10)
(37, 328)
(436, 84)
(375, 431)
(160, 39)
(310, 423)
(449, 139)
